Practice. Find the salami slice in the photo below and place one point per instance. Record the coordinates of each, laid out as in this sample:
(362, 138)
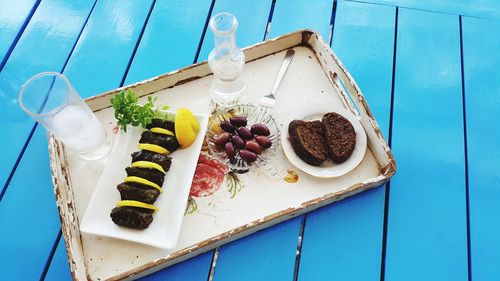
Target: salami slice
(213, 163)
(206, 181)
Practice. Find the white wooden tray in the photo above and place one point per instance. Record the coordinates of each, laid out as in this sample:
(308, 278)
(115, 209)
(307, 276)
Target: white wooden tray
(242, 204)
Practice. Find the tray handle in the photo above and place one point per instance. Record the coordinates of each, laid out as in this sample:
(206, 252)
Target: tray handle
(352, 97)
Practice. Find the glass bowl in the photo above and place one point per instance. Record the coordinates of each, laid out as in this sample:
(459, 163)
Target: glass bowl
(254, 115)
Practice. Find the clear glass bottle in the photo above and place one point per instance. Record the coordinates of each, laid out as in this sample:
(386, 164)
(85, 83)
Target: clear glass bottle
(226, 61)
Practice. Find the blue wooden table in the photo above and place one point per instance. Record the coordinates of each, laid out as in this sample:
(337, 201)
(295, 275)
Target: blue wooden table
(430, 71)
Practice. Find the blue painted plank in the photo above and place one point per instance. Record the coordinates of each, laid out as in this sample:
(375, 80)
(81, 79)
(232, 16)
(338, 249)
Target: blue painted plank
(476, 8)
(171, 38)
(59, 268)
(341, 237)
(251, 26)
(363, 39)
(427, 231)
(266, 255)
(291, 15)
(102, 54)
(44, 46)
(481, 43)
(29, 223)
(170, 41)
(196, 268)
(13, 15)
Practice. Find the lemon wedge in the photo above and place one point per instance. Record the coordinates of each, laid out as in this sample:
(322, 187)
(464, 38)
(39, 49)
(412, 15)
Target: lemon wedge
(186, 127)
(138, 204)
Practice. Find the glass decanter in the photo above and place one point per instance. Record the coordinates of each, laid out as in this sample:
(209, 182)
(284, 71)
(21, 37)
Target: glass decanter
(226, 61)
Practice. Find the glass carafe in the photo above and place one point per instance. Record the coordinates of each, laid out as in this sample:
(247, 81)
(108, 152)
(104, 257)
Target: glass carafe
(226, 61)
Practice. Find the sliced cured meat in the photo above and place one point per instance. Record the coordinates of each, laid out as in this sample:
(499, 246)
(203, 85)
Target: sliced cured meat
(213, 162)
(206, 181)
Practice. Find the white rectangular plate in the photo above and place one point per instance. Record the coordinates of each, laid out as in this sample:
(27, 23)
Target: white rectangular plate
(163, 232)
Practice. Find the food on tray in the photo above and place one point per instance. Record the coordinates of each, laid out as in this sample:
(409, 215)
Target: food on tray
(151, 175)
(130, 191)
(186, 126)
(315, 141)
(162, 126)
(146, 174)
(339, 136)
(237, 140)
(208, 177)
(238, 121)
(308, 141)
(263, 141)
(159, 143)
(152, 157)
(227, 126)
(132, 217)
(248, 156)
(129, 112)
(260, 130)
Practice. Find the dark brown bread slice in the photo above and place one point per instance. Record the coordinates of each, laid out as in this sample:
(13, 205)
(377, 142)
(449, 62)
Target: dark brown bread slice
(294, 124)
(308, 141)
(340, 137)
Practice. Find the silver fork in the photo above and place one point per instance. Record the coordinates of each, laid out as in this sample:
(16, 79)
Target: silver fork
(270, 100)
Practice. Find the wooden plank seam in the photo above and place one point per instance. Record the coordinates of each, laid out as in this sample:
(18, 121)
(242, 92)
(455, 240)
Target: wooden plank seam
(332, 22)
(127, 69)
(51, 255)
(205, 27)
(299, 247)
(18, 36)
(466, 164)
(437, 11)
(388, 184)
(269, 20)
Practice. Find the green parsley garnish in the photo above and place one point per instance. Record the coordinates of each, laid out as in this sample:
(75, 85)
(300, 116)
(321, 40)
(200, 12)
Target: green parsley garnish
(129, 112)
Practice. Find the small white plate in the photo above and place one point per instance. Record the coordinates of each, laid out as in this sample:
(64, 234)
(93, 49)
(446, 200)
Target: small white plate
(328, 169)
(163, 232)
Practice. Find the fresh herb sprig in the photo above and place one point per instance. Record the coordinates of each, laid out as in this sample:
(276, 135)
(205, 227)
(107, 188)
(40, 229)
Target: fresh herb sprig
(129, 112)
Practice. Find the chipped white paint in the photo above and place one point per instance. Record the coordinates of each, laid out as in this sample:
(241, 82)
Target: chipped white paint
(314, 77)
